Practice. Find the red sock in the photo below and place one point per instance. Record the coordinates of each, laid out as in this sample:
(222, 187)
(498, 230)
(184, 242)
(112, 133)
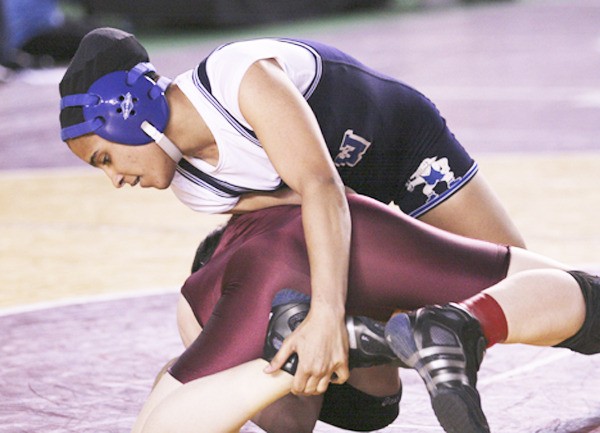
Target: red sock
(490, 315)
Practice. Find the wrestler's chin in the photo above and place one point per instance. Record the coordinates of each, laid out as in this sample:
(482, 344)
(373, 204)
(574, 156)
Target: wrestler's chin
(156, 182)
(164, 179)
(158, 185)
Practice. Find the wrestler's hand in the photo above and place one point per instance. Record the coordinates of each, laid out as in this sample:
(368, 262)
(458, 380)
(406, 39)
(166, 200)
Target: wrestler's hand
(321, 342)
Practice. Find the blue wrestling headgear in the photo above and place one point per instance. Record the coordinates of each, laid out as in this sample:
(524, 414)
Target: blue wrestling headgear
(116, 105)
(109, 90)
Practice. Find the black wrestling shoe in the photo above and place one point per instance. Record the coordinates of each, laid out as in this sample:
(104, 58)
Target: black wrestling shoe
(366, 336)
(445, 346)
(368, 347)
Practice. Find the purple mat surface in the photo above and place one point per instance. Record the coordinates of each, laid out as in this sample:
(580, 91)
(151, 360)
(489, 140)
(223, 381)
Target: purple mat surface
(83, 367)
(88, 368)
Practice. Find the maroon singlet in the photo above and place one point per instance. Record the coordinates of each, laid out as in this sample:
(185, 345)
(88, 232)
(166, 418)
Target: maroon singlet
(396, 262)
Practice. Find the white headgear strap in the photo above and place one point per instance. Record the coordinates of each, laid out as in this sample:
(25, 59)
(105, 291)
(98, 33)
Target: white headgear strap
(163, 141)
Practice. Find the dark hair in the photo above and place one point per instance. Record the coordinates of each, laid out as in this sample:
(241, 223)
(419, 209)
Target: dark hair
(207, 248)
(100, 52)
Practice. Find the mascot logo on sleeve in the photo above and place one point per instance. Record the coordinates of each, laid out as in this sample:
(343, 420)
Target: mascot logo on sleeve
(430, 173)
(352, 149)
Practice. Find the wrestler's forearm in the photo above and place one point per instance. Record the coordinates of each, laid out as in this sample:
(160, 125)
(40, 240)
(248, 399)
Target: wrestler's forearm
(327, 228)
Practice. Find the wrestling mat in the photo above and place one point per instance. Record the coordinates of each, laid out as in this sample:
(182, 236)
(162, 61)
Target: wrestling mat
(89, 276)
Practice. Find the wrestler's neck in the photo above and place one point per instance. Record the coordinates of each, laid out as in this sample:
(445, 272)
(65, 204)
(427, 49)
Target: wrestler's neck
(188, 130)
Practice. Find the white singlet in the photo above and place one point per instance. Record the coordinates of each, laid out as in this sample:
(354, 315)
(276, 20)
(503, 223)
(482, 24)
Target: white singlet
(243, 164)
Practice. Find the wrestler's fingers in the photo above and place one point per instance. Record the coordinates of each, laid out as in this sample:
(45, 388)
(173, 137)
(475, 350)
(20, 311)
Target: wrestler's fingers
(340, 375)
(323, 384)
(280, 358)
(304, 385)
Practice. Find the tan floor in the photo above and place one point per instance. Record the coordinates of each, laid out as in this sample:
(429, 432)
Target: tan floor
(69, 233)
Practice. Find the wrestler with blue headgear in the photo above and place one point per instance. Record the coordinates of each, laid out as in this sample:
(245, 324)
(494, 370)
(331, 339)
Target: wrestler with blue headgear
(111, 89)
(256, 115)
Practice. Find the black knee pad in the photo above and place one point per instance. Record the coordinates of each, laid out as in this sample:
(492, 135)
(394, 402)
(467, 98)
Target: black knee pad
(348, 408)
(587, 339)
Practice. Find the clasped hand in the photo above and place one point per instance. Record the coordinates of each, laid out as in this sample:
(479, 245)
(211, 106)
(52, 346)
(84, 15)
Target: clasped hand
(321, 344)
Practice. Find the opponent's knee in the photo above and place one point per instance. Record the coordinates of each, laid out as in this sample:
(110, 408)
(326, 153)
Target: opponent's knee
(587, 339)
(290, 414)
(351, 409)
(289, 308)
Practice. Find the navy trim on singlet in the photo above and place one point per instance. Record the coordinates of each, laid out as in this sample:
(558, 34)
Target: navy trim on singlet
(206, 181)
(216, 186)
(203, 77)
(318, 65)
(446, 194)
(201, 82)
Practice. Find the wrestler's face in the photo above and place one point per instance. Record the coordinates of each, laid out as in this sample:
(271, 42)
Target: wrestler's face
(146, 165)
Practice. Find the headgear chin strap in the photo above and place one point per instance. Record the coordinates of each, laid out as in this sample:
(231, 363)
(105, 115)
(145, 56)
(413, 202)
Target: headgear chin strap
(116, 105)
(163, 141)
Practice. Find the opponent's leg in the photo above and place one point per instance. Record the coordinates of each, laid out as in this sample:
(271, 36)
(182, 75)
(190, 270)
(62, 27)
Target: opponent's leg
(368, 401)
(533, 300)
(226, 399)
(291, 413)
(525, 260)
(366, 336)
(446, 344)
(220, 403)
(587, 339)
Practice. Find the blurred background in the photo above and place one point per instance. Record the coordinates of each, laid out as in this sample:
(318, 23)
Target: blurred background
(41, 33)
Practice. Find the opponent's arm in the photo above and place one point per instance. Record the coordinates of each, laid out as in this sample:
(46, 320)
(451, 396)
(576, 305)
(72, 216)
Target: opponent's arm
(290, 134)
